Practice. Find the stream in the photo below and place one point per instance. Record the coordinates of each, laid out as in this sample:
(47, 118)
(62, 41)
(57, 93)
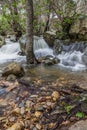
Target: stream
(70, 67)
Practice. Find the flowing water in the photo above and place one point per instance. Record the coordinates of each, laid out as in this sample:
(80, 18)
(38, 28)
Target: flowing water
(9, 52)
(70, 66)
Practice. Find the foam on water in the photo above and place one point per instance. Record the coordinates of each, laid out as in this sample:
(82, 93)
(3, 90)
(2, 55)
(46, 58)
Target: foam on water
(9, 52)
(41, 48)
(71, 60)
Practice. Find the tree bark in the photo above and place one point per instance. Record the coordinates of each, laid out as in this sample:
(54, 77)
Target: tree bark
(15, 18)
(29, 32)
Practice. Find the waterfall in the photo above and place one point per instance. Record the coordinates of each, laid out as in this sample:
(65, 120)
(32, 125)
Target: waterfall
(41, 49)
(72, 57)
(9, 52)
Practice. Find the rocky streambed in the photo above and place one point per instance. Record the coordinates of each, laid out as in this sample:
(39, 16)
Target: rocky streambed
(44, 99)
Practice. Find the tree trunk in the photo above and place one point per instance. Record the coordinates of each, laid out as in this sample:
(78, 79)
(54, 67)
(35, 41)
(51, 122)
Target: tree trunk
(15, 18)
(29, 32)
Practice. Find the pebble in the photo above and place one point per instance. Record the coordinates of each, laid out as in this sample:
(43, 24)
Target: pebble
(17, 126)
(39, 108)
(55, 95)
(21, 104)
(34, 96)
(34, 128)
(37, 114)
(22, 111)
(38, 126)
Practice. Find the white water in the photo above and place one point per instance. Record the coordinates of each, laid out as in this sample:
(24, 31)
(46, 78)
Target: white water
(41, 49)
(9, 52)
(69, 60)
(72, 61)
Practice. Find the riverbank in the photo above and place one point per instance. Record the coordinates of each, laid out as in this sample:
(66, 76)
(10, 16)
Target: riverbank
(34, 103)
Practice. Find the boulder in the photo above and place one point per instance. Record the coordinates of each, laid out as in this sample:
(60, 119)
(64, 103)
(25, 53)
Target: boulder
(80, 125)
(50, 38)
(2, 41)
(13, 38)
(50, 60)
(84, 57)
(79, 29)
(13, 68)
(57, 47)
(22, 42)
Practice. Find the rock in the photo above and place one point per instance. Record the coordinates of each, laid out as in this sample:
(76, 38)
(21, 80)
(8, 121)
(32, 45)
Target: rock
(16, 111)
(21, 104)
(12, 119)
(2, 41)
(84, 57)
(49, 38)
(58, 45)
(13, 68)
(55, 95)
(22, 42)
(11, 77)
(79, 29)
(38, 126)
(37, 114)
(80, 125)
(34, 128)
(50, 60)
(22, 110)
(13, 38)
(39, 108)
(29, 104)
(17, 126)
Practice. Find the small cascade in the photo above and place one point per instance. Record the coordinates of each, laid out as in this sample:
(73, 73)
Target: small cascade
(41, 49)
(71, 56)
(9, 52)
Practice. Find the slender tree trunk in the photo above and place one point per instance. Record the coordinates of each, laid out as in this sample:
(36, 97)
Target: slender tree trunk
(15, 18)
(29, 32)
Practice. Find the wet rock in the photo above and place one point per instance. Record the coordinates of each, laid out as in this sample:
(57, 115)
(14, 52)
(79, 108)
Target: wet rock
(58, 47)
(13, 38)
(22, 42)
(21, 104)
(84, 57)
(50, 60)
(2, 41)
(80, 125)
(49, 38)
(13, 68)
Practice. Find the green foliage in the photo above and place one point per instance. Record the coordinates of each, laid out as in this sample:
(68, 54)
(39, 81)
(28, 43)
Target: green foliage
(80, 114)
(68, 108)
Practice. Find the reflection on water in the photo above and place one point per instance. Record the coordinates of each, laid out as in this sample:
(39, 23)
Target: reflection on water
(52, 73)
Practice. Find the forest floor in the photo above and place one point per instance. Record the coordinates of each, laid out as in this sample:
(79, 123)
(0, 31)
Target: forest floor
(36, 104)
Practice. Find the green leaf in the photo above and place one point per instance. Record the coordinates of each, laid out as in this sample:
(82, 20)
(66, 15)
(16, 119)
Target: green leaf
(68, 108)
(80, 114)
